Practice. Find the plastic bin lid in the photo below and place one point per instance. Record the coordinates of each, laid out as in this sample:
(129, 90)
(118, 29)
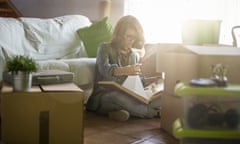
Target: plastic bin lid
(180, 132)
(183, 89)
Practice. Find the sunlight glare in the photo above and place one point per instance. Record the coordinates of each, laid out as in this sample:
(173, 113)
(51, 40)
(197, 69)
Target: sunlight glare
(162, 19)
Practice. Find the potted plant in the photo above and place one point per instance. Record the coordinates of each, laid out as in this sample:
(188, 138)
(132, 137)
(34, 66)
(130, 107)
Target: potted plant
(21, 68)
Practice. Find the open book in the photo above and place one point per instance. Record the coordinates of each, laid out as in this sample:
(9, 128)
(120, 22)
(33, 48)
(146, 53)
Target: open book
(133, 86)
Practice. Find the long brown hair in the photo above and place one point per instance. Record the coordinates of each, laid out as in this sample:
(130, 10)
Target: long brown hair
(123, 24)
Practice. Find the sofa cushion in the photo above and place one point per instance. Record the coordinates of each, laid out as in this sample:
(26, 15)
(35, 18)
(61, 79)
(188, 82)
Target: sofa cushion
(54, 38)
(83, 68)
(95, 34)
(53, 64)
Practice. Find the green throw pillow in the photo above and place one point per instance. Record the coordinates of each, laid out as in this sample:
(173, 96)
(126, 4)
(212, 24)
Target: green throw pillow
(95, 34)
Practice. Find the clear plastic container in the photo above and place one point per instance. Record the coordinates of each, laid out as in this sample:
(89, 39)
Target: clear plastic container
(212, 108)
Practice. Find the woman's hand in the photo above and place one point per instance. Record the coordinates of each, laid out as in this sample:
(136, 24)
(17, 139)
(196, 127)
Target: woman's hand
(128, 70)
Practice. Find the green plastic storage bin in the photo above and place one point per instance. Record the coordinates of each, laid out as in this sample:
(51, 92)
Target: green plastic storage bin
(201, 136)
(184, 89)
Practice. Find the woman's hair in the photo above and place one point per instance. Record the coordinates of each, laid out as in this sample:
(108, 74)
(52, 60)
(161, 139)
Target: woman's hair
(123, 24)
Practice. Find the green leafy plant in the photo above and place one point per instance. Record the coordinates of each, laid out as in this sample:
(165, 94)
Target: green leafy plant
(21, 63)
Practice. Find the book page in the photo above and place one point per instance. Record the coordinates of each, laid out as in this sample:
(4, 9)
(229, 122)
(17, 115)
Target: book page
(60, 87)
(154, 87)
(134, 84)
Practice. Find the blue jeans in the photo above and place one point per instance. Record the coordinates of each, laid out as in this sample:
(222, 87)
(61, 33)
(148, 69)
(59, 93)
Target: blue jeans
(114, 101)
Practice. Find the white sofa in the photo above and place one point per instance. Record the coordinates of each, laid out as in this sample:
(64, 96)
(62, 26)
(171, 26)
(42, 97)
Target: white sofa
(53, 43)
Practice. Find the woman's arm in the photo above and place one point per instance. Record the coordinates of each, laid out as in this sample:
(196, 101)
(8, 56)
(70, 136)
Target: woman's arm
(128, 70)
(108, 67)
(104, 67)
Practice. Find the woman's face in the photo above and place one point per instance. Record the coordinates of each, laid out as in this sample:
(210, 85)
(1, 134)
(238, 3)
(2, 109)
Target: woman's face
(129, 38)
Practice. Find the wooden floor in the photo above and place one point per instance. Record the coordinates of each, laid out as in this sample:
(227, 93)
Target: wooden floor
(101, 130)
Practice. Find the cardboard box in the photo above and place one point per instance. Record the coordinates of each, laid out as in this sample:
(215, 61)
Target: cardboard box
(173, 60)
(185, 62)
(42, 117)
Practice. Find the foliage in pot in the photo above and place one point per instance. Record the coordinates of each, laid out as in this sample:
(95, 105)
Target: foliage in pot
(21, 63)
(21, 68)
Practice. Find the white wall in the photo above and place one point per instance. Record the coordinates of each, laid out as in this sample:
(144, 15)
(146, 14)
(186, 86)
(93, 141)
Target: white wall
(53, 8)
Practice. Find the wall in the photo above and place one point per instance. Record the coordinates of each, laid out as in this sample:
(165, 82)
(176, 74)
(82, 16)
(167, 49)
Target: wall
(53, 8)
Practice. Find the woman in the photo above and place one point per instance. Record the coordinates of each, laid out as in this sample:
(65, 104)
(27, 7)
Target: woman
(115, 61)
